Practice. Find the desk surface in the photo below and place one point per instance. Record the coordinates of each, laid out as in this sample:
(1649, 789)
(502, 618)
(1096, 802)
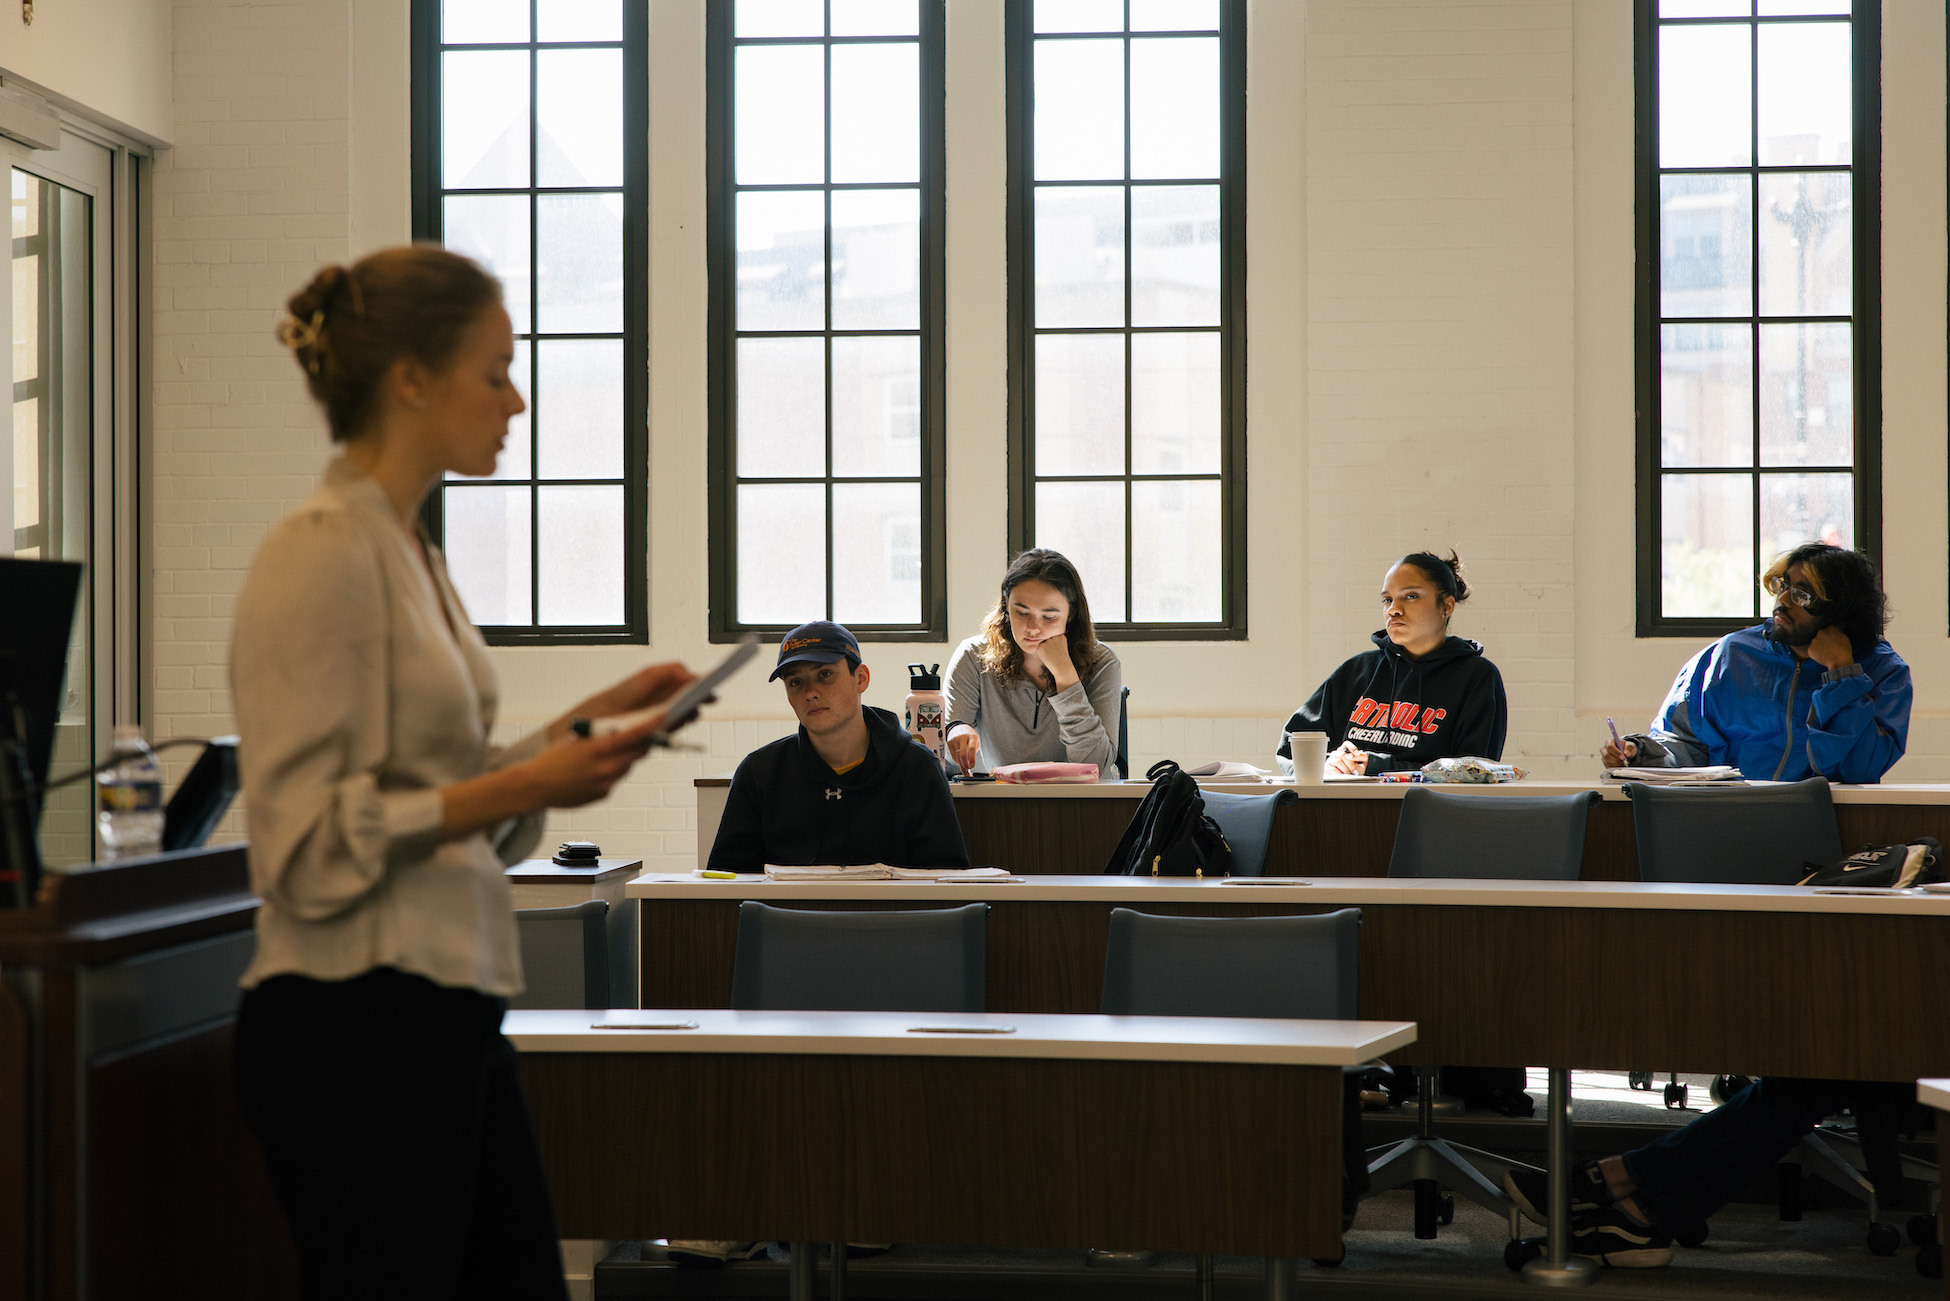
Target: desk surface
(1934, 1093)
(1034, 1035)
(1138, 891)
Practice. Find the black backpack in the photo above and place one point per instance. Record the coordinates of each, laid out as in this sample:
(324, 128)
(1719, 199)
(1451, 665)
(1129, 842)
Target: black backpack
(1171, 835)
(1881, 867)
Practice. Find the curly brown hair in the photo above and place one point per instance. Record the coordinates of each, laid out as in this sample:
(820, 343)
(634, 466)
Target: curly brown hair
(350, 324)
(1000, 656)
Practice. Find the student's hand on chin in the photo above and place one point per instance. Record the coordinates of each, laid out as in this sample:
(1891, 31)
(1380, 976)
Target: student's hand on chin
(1830, 648)
(1055, 651)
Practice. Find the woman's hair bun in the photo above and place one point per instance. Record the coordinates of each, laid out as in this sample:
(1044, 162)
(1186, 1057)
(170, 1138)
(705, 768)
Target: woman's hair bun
(1445, 572)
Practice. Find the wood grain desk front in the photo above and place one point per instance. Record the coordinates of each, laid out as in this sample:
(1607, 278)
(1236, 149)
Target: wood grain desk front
(1174, 1133)
(1335, 829)
(1757, 979)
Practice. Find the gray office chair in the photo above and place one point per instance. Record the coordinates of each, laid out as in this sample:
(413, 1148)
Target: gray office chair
(1477, 836)
(1123, 757)
(1764, 835)
(564, 956)
(792, 959)
(1247, 823)
(1288, 967)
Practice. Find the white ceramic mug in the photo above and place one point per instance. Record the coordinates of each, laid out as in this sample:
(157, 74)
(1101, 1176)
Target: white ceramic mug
(1309, 757)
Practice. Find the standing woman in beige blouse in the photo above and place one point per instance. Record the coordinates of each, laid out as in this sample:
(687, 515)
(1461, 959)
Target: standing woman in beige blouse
(369, 1052)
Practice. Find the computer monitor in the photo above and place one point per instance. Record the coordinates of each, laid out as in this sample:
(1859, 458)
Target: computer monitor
(37, 606)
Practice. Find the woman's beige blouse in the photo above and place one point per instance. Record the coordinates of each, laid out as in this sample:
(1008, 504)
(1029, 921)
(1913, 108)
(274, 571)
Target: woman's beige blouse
(355, 705)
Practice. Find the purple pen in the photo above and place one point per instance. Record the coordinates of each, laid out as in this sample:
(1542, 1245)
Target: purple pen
(1614, 736)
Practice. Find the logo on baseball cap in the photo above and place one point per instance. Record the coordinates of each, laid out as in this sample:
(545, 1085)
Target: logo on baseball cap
(819, 642)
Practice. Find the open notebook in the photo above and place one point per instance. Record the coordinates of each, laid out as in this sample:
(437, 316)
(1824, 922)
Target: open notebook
(882, 872)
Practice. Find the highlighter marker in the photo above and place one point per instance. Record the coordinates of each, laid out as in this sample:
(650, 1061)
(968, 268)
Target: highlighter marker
(717, 876)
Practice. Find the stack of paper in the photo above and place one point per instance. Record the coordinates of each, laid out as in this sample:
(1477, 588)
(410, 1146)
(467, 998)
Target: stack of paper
(882, 872)
(1228, 768)
(1675, 776)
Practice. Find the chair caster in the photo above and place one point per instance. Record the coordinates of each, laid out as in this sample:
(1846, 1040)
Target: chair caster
(1725, 1087)
(1446, 1209)
(1640, 1080)
(1883, 1239)
(1330, 1262)
(1929, 1260)
(1520, 1251)
(1922, 1229)
(1675, 1097)
(1692, 1237)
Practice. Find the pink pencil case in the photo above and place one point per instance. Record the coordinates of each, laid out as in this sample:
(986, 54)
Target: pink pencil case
(1046, 774)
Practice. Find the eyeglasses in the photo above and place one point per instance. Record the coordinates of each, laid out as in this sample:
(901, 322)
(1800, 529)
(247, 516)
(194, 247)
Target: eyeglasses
(1801, 596)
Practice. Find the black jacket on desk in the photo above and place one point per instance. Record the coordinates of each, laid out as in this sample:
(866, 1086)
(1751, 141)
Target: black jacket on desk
(1405, 712)
(787, 808)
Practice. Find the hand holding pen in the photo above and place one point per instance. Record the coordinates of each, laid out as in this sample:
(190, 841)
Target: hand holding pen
(1617, 753)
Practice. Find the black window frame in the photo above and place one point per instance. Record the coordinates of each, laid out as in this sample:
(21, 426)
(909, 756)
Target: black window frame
(720, 260)
(1019, 37)
(425, 97)
(1865, 17)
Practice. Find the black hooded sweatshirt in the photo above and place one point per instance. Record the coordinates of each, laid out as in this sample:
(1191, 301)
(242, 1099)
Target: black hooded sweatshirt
(786, 807)
(1405, 712)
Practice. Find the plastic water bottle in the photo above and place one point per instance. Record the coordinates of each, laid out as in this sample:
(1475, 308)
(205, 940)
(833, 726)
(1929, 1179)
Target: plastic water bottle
(925, 709)
(131, 819)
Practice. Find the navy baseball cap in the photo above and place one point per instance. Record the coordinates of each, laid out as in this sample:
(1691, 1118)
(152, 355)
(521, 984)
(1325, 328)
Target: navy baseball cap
(819, 642)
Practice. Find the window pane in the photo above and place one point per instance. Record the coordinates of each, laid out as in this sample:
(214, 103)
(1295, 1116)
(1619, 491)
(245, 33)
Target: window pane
(781, 18)
(493, 230)
(781, 114)
(1705, 8)
(579, 263)
(582, 555)
(781, 534)
(781, 260)
(877, 259)
(27, 463)
(484, 119)
(1175, 108)
(483, 22)
(1175, 255)
(1079, 15)
(579, 107)
(1706, 246)
(1797, 508)
(781, 408)
(1705, 96)
(1807, 397)
(579, 20)
(876, 113)
(877, 552)
(1806, 93)
(1174, 404)
(513, 463)
(580, 420)
(1792, 8)
(1079, 114)
(1706, 395)
(487, 533)
(1707, 547)
(1174, 15)
(1079, 404)
(877, 406)
(1079, 256)
(1175, 569)
(27, 312)
(1807, 243)
(1085, 521)
(876, 18)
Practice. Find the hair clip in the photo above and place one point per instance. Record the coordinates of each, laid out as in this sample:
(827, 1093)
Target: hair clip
(300, 335)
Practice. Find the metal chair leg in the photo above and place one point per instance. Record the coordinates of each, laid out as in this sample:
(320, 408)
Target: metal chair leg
(1204, 1266)
(802, 1272)
(837, 1290)
(1281, 1272)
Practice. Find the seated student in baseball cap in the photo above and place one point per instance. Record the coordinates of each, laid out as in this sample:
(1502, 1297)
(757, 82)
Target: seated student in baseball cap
(850, 786)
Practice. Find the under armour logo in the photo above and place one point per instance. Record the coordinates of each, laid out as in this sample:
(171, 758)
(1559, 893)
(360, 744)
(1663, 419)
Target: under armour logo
(834, 794)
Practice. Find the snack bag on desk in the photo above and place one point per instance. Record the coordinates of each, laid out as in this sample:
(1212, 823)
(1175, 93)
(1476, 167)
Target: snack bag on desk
(1471, 770)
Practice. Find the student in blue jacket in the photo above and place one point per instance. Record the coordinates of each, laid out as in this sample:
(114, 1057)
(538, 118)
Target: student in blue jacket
(1814, 691)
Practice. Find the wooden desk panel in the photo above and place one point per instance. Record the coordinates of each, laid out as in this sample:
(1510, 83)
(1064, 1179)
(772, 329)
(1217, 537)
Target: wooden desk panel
(1167, 1156)
(1761, 993)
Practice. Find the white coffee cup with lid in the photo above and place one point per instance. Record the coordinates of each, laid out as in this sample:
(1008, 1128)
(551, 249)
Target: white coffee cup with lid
(1309, 757)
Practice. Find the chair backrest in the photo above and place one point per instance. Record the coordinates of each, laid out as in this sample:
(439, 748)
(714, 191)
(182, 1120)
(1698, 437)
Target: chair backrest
(791, 959)
(1738, 835)
(1247, 821)
(1123, 758)
(1301, 967)
(1519, 837)
(564, 955)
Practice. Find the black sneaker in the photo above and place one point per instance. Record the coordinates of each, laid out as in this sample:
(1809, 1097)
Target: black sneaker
(1530, 1189)
(1612, 1237)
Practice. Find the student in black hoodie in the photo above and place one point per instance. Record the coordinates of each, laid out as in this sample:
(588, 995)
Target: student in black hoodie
(851, 786)
(1420, 694)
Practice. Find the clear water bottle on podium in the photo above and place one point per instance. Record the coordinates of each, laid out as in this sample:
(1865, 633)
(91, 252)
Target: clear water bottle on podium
(131, 817)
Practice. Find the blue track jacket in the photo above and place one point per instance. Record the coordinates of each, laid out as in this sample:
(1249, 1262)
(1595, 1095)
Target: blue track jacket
(1751, 703)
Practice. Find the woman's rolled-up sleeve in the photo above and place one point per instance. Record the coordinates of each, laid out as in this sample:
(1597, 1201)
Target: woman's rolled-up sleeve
(311, 688)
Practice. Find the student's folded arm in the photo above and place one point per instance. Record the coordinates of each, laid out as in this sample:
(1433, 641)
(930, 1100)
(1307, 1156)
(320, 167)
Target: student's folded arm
(961, 689)
(1683, 733)
(310, 681)
(1086, 713)
(740, 843)
(1859, 726)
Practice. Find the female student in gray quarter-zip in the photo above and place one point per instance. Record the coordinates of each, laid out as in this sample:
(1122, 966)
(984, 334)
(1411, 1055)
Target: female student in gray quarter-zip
(1035, 684)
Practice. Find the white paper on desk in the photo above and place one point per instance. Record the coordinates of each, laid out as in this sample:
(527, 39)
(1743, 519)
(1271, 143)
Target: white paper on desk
(859, 872)
(1223, 768)
(1675, 776)
(946, 873)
